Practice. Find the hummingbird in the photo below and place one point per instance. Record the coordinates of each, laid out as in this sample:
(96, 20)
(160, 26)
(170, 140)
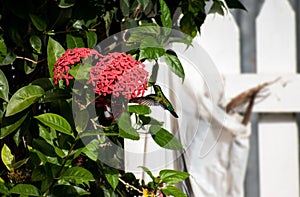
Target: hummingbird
(157, 99)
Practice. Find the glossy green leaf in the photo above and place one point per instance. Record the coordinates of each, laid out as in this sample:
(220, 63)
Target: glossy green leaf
(91, 149)
(165, 16)
(67, 191)
(112, 176)
(10, 124)
(7, 157)
(56, 122)
(164, 138)
(54, 51)
(66, 3)
(77, 175)
(125, 128)
(81, 120)
(91, 39)
(173, 191)
(81, 71)
(139, 109)
(25, 190)
(4, 87)
(38, 22)
(74, 41)
(124, 5)
(55, 95)
(20, 163)
(23, 98)
(148, 172)
(172, 176)
(151, 53)
(235, 4)
(36, 43)
(174, 63)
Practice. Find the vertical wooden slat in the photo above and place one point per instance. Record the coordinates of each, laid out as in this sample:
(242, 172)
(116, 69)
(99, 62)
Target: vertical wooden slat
(278, 133)
(220, 38)
(278, 143)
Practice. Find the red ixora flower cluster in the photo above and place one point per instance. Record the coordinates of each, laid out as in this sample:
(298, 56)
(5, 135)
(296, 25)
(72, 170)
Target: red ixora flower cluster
(119, 74)
(68, 59)
(114, 73)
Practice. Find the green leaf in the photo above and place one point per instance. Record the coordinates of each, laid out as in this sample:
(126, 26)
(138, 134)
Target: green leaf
(36, 43)
(148, 172)
(18, 164)
(56, 122)
(25, 190)
(174, 63)
(172, 176)
(164, 138)
(54, 51)
(23, 98)
(80, 71)
(91, 150)
(7, 157)
(151, 53)
(165, 14)
(44, 147)
(66, 3)
(74, 41)
(55, 95)
(124, 5)
(77, 175)
(81, 120)
(8, 59)
(3, 188)
(10, 124)
(112, 176)
(38, 22)
(67, 191)
(4, 87)
(236, 4)
(125, 128)
(91, 39)
(173, 191)
(3, 48)
(144, 3)
(139, 109)
(188, 25)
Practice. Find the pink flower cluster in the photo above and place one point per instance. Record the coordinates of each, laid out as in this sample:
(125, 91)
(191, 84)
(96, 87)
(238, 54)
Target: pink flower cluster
(68, 59)
(119, 74)
(114, 73)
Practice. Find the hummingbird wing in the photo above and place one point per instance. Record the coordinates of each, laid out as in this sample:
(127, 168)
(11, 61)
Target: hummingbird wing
(147, 100)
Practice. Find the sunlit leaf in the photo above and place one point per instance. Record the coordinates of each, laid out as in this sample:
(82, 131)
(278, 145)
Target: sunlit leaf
(4, 87)
(165, 14)
(144, 3)
(173, 191)
(54, 51)
(151, 53)
(7, 157)
(81, 120)
(172, 176)
(148, 172)
(25, 190)
(77, 175)
(91, 150)
(23, 98)
(139, 109)
(20, 163)
(124, 5)
(3, 189)
(56, 122)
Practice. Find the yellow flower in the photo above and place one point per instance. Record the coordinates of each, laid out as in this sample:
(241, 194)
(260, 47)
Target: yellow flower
(146, 193)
